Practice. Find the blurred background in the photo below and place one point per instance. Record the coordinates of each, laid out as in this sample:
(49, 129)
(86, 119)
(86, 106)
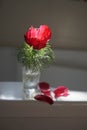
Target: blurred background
(68, 22)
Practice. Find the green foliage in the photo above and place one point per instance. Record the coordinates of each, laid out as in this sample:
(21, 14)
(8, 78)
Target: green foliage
(35, 59)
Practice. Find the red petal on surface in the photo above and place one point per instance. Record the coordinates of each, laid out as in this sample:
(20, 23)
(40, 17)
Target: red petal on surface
(44, 98)
(61, 91)
(44, 88)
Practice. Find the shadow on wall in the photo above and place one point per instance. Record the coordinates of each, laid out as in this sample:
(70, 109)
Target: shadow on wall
(9, 68)
(69, 69)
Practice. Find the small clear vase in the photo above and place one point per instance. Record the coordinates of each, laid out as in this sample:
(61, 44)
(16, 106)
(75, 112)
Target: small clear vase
(31, 79)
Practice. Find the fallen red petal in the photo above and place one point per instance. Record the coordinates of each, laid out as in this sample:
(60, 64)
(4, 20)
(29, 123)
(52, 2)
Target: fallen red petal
(44, 88)
(44, 98)
(61, 91)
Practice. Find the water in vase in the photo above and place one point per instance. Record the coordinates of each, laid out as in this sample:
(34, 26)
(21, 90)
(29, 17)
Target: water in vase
(30, 83)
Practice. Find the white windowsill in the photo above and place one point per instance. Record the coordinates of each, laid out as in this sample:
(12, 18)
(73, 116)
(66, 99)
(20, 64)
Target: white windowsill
(11, 104)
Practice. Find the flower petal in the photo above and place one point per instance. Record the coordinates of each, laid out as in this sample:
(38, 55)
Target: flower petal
(44, 98)
(61, 91)
(38, 37)
(45, 88)
(44, 33)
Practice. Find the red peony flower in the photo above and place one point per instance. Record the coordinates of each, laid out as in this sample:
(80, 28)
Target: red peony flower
(38, 37)
(60, 91)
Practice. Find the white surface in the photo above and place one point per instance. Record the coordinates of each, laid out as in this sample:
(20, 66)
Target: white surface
(74, 96)
(13, 91)
(17, 114)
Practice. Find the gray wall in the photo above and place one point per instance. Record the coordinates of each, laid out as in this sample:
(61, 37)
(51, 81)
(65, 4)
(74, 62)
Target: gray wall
(66, 18)
(68, 21)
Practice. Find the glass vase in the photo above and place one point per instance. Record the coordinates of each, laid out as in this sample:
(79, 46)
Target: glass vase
(31, 79)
